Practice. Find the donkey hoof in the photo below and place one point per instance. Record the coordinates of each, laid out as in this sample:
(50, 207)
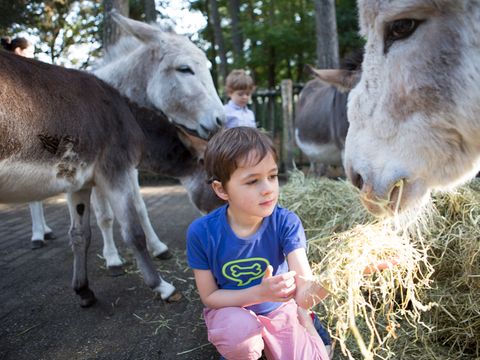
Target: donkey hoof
(85, 303)
(87, 297)
(165, 255)
(115, 271)
(49, 236)
(37, 244)
(175, 297)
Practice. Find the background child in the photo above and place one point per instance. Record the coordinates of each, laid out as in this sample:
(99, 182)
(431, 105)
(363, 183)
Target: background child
(249, 257)
(239, 86)
(19, 46)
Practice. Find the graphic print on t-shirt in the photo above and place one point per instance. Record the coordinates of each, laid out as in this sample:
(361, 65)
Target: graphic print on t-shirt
(244, 271)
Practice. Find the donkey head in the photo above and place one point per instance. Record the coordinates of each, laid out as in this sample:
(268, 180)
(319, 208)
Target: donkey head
(160, 69)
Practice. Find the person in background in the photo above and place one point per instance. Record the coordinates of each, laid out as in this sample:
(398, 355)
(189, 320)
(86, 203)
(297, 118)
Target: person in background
(249, 257)
(19, 46)
(40, 230)
(239, 87)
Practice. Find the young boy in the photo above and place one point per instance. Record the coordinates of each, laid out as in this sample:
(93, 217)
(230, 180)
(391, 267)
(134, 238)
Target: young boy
(239, 86)
(249, 257)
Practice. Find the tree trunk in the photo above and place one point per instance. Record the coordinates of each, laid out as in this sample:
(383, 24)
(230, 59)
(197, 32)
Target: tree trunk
(327, 37)
(217, 31)
(253, 49)
(300, 67)
(150, 11)
(111, 32)
(272, 58)
(237, 36)
(211, 52)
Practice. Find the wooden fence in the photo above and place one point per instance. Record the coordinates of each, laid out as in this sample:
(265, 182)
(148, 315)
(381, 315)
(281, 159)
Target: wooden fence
(275, 112)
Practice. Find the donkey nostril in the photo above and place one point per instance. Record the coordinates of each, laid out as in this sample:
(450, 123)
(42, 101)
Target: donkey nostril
(356, 180)
(219, 121)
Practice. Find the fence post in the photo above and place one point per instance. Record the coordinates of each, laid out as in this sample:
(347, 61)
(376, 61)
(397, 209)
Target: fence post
(287, 128)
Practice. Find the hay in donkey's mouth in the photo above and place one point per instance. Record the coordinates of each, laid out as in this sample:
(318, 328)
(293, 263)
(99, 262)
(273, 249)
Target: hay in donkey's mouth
(389, 314)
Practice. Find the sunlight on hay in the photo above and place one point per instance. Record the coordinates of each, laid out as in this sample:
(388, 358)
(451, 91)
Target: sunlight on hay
(393, 314)
(379, 299)
(455, 238)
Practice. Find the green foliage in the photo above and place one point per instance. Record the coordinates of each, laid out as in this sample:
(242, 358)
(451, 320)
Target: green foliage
(11, 12)
(64, 23)
(347, 26)
(279, 36)
(136, 9)
(59, 25)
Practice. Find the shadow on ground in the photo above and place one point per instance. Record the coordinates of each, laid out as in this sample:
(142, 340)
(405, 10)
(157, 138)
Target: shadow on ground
(40, 314)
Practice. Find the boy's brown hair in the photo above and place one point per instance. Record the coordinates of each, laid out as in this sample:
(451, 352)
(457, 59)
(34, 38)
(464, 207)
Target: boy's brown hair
(238, 79)
(229, 147)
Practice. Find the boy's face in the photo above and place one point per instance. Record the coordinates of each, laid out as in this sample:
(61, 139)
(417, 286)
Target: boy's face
(252, 190)
(241, 97)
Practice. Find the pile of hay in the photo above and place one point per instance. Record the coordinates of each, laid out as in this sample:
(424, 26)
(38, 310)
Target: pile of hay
(426, 306)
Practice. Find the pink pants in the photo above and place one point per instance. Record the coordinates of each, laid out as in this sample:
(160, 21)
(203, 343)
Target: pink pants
(240, 334)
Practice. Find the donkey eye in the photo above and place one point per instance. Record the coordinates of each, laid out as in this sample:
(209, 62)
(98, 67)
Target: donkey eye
(398, 30)
(185, 69)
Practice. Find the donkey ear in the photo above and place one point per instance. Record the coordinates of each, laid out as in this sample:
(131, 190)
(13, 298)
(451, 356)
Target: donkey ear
(343, 80)
(196, 144)
(142, 31)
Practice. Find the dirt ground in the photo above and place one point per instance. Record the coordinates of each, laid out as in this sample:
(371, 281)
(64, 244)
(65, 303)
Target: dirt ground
(40, 316)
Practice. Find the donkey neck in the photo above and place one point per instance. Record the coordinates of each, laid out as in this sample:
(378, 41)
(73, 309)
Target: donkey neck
(163, 151)
(132, 81)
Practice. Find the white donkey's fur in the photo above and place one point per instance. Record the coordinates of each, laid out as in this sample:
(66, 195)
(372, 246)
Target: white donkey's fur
(156, 68)
(163, 70)
(40, 229)
(415, 113)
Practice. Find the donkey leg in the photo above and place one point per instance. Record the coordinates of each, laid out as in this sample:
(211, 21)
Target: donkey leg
(156, 247)
(36, 213)
(80, 235)
(104, 214)
(318, 169)
(122, 200)
(47, 230)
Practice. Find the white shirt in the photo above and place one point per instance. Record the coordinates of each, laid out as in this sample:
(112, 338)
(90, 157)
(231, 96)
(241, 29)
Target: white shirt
(238, 116)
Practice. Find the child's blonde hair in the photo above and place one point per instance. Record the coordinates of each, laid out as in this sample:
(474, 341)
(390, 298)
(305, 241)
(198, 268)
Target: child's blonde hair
(238, 79)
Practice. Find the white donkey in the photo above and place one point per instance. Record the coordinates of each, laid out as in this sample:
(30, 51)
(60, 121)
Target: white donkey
(158, 69)
(415, 113)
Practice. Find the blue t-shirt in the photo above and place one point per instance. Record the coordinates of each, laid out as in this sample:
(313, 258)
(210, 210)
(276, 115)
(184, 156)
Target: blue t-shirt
(238, 263)
(238, 116)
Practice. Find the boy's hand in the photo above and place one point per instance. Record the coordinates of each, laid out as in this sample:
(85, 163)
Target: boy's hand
(277, 288)
(309, 293)
(381, 265)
